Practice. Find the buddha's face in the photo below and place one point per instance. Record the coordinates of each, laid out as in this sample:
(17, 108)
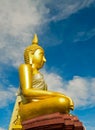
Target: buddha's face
(38, 58)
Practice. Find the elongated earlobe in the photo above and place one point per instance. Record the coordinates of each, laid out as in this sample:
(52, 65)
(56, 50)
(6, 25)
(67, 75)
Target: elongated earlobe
(30, 58)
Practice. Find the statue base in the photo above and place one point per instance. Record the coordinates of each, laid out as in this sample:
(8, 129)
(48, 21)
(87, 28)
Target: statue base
(56, 121)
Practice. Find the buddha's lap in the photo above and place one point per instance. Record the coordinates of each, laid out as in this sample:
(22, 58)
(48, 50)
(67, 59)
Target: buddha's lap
(50, 103)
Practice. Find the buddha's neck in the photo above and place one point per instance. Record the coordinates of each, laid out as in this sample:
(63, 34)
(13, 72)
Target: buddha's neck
(35, 70)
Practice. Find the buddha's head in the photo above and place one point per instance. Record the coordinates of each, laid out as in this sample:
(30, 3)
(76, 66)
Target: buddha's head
(34, 54)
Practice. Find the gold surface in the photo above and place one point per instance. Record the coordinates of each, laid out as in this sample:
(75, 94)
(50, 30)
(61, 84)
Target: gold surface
(39, 101)
(15, 123)
(33, 98)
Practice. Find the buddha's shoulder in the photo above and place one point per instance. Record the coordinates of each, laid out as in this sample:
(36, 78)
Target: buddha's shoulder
(24, 66)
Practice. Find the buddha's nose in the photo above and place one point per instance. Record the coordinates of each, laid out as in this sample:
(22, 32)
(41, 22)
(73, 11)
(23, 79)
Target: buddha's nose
(44, 59)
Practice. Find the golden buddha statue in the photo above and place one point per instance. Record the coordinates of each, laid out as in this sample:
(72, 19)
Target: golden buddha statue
(36, 99)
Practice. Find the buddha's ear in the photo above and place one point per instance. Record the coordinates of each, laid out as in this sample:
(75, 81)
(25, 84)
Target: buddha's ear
(30, 57)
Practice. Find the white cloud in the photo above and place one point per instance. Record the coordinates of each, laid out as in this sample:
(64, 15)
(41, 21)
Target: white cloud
(2, 128)
(7, 95)
(80, 89)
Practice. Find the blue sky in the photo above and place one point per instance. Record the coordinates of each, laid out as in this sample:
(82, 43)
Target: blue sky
(66, 30)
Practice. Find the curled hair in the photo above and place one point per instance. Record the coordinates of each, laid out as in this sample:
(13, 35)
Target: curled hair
(31, 49)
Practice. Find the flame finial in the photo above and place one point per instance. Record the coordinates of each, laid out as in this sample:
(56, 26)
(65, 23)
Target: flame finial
(35, 39)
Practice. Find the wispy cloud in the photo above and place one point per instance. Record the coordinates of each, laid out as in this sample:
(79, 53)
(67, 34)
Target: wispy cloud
(79, 89)
(84, 35)
(62, 9)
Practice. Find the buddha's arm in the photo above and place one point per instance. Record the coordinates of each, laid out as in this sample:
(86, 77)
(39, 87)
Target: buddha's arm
(37, 94)
(25, 74)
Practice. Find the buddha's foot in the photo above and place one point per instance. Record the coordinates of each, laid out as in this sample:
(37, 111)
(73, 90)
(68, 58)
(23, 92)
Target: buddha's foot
(71, 103)
(72, 107)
